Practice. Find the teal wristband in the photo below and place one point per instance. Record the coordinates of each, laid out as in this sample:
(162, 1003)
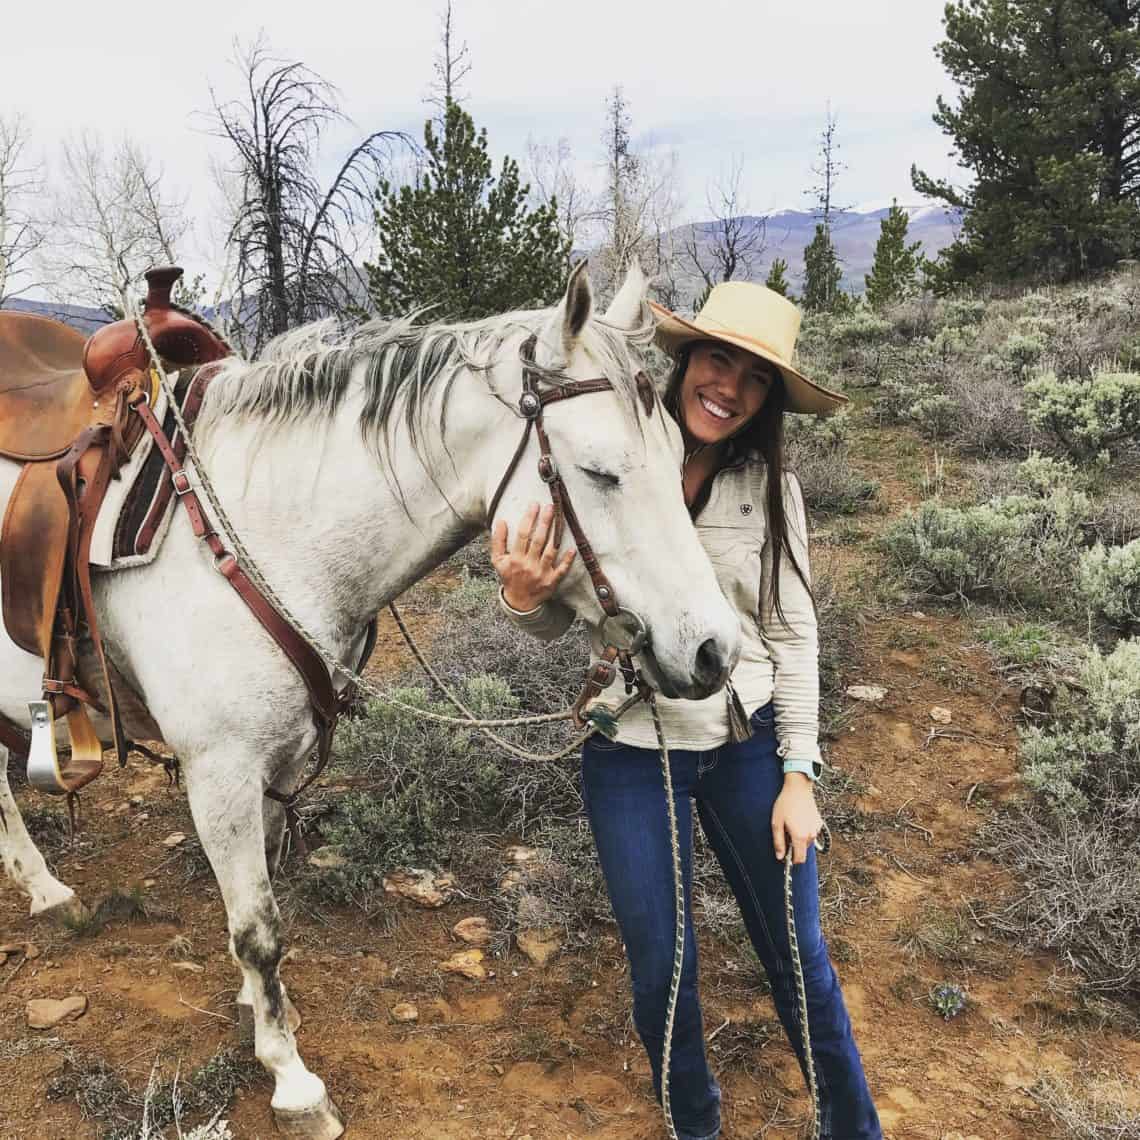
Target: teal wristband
(813, 769)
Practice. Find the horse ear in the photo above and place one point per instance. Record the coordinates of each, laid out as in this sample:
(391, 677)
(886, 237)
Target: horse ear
(576, 305)
(627, 308)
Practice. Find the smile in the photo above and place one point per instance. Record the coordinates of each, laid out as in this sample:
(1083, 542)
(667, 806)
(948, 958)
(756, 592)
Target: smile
(716, 410)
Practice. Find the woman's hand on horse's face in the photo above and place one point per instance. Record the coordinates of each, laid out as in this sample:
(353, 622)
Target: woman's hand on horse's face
(795, 817)
(530, 571)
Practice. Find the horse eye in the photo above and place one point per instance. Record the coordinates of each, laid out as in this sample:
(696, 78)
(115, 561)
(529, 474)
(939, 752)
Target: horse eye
(605, 478)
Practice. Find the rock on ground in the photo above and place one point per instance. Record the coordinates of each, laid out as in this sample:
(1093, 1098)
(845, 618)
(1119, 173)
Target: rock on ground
(866, 692)
(475, 931)
(468, 963)
(540, 945)
(421, 887)
(46, 1013)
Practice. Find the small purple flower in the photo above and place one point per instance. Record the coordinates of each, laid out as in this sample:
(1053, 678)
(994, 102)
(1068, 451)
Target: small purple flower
(948, 999)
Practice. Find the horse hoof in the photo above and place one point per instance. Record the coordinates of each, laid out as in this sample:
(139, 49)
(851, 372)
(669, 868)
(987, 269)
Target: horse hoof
(321, 1122)
(71, 912)
(245, 1019)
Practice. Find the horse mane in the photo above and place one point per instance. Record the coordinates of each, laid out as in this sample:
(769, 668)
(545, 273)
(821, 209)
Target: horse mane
(305, 375)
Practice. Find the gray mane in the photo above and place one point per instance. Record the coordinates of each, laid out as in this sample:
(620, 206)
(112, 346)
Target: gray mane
(304, 375)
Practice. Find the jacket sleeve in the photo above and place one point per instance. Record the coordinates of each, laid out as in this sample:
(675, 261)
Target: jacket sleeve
(795, 648)
(546, 622)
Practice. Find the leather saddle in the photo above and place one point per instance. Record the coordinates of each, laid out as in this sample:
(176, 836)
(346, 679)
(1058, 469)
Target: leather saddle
(45, 397)
(65, 413)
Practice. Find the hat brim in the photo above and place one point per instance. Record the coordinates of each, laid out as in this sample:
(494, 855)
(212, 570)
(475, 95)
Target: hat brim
(803, 395)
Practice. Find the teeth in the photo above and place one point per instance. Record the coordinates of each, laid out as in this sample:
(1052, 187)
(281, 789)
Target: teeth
(715, 409)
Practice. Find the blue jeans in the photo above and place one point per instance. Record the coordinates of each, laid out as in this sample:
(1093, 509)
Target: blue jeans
(735, 787)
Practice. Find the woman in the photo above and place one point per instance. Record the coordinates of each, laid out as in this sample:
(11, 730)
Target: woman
(749, 756)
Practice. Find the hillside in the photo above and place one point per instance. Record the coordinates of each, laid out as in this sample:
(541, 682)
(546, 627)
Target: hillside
(787, 232)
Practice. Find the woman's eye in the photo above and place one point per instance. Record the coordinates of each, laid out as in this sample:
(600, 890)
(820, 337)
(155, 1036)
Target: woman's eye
(605, 478)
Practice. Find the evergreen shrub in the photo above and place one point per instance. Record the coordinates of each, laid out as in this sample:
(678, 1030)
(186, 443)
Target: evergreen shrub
(1014, 548)
(1109, 582)
(1086, 416)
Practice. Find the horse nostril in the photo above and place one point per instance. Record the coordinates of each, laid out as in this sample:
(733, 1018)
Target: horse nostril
(709, 666)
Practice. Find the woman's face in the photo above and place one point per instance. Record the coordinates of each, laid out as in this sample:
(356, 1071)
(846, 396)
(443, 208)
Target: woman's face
(722, 389)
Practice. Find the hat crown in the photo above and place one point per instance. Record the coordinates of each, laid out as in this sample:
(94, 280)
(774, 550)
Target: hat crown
(752, 312)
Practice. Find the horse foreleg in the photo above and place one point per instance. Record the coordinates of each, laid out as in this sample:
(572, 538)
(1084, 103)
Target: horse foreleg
(24, 863)
(224, 791)
(273, 817)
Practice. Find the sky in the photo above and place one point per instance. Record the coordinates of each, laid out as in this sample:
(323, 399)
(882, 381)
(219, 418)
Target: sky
(719, 82)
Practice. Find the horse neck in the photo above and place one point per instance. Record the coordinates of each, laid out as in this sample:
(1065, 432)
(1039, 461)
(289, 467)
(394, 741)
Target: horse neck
(336, 530)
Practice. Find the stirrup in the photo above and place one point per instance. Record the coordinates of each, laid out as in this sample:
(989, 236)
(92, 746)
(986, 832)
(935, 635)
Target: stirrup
(44, 770)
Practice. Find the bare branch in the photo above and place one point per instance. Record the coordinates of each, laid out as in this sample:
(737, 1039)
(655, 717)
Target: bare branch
(21, 187)
(552, 180)
(110, 222)
(451, 66)
(291, 237)
(731, 243)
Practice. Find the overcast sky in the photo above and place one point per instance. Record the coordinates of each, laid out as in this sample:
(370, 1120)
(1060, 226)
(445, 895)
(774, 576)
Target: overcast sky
(716, 80)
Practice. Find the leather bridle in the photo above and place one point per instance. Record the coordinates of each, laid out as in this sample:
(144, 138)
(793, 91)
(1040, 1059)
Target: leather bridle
(531, 405)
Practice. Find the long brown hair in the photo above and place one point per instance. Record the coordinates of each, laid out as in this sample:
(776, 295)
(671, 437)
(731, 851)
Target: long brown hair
(763, 433)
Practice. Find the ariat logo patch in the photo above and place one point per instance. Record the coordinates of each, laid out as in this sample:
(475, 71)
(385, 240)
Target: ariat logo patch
(746, 508)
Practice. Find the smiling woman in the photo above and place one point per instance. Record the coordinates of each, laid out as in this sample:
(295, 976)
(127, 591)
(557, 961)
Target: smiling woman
(747, 757)
(724, 387)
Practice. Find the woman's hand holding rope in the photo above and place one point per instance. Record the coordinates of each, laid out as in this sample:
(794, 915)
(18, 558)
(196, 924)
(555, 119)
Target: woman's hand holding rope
(795, 817)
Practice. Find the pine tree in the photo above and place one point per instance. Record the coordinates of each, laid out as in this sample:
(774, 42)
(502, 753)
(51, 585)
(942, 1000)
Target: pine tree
(458, 238)
(822, 273)
(896, 264)
(776, 279)
(1048, 123)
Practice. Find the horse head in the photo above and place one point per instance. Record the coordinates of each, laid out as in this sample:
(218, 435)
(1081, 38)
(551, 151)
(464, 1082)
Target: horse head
(619, 456)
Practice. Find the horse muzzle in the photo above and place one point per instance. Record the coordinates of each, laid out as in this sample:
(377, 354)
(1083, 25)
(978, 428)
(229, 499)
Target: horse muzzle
(709, 670)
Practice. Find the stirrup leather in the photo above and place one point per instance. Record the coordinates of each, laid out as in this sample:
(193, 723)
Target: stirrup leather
(47, 771)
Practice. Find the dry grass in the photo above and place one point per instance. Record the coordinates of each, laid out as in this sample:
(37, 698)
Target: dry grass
(1096, 1113)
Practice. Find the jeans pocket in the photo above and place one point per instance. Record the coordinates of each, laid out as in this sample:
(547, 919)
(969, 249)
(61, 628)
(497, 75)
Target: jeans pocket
(599, 742)
(763, 717)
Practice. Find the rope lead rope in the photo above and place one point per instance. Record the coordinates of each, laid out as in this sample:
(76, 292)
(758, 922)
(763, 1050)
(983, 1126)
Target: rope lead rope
(251, 568)
(679, 945)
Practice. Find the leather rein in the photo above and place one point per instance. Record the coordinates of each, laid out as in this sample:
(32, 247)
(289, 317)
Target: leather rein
(327, 703)
(531, 406)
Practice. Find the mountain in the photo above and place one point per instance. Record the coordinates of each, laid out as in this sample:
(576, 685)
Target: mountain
(78, 316)
(854, 232)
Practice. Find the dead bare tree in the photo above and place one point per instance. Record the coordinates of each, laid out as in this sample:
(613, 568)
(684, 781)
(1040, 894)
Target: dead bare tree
(21, 186)
(552, 180)
(730, 245)
(638, 207)
(112, 220)
(659, 252)
(451, 66)
(294, 239)
(828, 170)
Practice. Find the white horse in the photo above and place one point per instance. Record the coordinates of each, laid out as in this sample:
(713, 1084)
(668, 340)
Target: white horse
(350, 469)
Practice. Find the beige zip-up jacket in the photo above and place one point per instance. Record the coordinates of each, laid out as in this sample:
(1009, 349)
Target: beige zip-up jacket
(776, 663)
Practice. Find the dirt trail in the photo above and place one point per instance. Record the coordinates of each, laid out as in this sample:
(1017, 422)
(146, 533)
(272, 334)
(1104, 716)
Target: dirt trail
(549, 1053)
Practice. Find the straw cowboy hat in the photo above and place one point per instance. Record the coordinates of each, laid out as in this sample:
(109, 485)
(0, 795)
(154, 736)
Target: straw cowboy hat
(759, 320)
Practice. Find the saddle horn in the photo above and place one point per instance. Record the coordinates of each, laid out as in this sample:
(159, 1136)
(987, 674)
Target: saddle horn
(180, 339)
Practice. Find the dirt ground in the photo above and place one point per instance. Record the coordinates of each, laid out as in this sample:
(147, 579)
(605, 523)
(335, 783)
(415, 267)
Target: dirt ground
(549, 1053)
